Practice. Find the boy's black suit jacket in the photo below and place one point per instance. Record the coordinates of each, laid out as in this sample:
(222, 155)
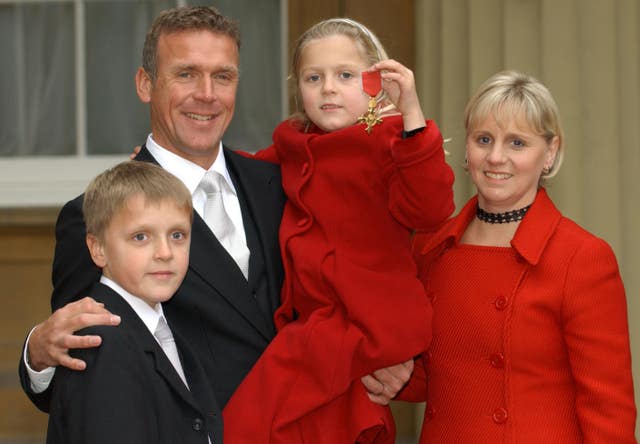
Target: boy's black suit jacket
(214, 308)
(130, 392)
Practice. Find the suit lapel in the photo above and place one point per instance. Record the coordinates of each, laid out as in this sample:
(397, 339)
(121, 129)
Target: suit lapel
(261, 184)
(141, 334)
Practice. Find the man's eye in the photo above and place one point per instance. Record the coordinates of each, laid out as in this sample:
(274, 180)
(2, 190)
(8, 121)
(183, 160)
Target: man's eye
(224, 77)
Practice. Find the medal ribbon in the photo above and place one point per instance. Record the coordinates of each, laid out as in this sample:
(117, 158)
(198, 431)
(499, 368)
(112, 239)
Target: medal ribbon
(371, 82)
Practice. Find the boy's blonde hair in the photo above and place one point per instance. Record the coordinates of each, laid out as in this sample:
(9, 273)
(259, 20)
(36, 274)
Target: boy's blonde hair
(367, 42)
(512, 93)
(109, 191)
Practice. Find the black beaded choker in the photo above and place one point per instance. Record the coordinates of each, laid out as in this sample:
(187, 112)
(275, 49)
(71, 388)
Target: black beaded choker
(501, 218)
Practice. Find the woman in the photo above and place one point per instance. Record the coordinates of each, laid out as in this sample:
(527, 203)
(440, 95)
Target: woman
(530, 337)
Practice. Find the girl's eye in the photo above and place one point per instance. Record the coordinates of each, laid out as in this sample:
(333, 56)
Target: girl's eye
(313, 78)
(140, 237)
(346, 75)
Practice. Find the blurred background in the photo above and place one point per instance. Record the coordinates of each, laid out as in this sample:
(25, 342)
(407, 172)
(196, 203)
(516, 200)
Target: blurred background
(69, 110)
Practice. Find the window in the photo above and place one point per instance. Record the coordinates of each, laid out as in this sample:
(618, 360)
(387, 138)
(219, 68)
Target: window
(69, 107)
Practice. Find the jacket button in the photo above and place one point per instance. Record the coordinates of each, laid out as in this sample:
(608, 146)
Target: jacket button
(197, 424)
(501, 303)
(429, 412)
(426, 357)
(497, 360)
(305, 168)
(500, 415)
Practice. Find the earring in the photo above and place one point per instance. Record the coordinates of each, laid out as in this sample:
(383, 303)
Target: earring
(465, 164)
(546, 170)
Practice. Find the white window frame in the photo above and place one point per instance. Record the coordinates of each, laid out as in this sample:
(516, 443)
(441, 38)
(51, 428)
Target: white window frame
(50, 181)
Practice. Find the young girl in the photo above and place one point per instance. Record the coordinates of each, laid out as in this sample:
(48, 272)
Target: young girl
(351, 302)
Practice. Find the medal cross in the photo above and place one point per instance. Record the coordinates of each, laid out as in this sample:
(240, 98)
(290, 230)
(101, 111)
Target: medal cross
(370, 117)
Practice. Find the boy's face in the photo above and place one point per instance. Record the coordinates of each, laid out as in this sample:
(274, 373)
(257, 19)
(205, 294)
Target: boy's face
(145, 248)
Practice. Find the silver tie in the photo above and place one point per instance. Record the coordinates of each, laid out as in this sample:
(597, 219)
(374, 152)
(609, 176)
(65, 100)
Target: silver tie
(217, 218)
(167, 342)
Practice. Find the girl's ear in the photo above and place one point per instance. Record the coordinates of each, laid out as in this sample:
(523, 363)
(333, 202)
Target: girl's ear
(96, 249)
(143, 85)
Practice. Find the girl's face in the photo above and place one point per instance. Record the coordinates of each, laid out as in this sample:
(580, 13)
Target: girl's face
(330, 82)
(505, 161)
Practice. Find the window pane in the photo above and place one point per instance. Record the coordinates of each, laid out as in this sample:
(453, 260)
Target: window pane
(116, 120)
(258, 107)
(37, 110)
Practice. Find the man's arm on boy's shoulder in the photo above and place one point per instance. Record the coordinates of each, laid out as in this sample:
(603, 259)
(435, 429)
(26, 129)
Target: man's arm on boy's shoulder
(73, 274)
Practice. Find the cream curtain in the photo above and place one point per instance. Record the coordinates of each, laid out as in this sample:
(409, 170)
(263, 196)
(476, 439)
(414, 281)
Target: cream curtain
(587, 52)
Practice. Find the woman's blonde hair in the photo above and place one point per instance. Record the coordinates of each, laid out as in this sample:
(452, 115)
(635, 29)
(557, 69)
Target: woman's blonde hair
(367, 42)
(512, 93)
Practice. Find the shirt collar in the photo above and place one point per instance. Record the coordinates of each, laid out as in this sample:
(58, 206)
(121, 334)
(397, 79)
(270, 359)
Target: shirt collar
(530, 240)
(149, 315)
(188, 172)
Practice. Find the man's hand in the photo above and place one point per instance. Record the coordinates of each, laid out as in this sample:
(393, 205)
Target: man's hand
(384, 384)
(51, 340)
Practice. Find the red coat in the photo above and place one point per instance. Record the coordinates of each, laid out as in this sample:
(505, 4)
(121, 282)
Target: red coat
(530, 343)
(351, 301)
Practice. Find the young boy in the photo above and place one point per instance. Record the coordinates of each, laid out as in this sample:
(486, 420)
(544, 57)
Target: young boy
(138, 219)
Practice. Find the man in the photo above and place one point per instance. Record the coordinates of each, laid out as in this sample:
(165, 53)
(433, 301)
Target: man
(189, 78)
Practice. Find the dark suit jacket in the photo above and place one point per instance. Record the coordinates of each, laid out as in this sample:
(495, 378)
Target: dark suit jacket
(214, 308)
(130, 392)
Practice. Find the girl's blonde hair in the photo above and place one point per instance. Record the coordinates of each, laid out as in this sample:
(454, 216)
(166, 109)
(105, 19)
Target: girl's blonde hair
(367, 42)
(512, 93)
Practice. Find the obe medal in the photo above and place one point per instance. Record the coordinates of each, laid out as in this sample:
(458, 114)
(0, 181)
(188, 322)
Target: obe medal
(371, 85)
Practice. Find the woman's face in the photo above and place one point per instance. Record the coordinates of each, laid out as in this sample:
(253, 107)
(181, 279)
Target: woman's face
(505, 162)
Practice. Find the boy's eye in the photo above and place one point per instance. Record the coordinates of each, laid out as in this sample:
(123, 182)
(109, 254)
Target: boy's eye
(140, 237)
(177, 235)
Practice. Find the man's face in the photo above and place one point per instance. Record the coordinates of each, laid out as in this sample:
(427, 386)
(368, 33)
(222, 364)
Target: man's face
(193, 97)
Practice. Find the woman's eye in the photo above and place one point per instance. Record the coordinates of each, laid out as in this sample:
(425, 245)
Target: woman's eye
(484, 140)
(518, 143)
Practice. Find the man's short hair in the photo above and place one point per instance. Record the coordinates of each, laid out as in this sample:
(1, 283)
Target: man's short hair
(109, 191)
(187, 18)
